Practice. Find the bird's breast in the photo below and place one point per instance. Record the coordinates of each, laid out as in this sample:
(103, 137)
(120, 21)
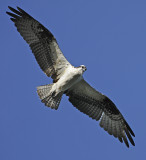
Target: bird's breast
(68, 79)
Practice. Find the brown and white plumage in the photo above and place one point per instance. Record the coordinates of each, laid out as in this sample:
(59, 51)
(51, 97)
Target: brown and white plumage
(68, 79)
(42, 43)
(99, 107)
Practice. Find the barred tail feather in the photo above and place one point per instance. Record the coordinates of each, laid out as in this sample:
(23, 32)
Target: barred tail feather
(48, 97)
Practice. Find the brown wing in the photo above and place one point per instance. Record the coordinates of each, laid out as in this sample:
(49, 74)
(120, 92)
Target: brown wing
(42, 43)
(99, 107)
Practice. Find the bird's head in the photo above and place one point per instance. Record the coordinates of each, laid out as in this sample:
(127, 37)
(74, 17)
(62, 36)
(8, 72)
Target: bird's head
(83, 68)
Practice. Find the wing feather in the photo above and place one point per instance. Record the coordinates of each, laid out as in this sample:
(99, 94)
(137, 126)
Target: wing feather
(99, 107)
(42, 43)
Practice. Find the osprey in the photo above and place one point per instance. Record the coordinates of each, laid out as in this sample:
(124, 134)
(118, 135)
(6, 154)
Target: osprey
(68, 79)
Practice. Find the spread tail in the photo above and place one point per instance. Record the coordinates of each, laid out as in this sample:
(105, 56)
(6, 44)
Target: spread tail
(49, 98)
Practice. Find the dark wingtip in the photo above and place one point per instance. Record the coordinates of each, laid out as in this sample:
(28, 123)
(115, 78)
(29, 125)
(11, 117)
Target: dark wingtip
(127, 145)
(7, 12)
(120, 139)
(18, 7)
(15, 11)
(130, 130)
(12, 19)
(129, 137)
(10, 7)
(21, 10)
(12, 15)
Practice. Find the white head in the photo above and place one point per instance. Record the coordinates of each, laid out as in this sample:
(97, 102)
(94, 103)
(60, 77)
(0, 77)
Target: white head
(83, 68)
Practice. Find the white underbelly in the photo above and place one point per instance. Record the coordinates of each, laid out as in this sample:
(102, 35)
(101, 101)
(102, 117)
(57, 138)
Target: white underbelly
(68, 80)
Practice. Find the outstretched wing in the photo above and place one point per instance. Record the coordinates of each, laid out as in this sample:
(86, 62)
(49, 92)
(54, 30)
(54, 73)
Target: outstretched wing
(42, 43)
(99, 107)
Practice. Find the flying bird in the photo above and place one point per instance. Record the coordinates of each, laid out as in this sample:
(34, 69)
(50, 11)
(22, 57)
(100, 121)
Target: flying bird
(68, 79)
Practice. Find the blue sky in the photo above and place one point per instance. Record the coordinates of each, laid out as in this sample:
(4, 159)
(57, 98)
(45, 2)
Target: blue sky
(109, 37)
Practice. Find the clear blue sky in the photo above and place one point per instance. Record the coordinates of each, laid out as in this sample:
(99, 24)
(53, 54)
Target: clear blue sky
(109, 37)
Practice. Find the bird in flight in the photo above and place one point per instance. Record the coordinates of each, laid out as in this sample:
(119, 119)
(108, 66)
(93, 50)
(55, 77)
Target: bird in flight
(68, 79)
